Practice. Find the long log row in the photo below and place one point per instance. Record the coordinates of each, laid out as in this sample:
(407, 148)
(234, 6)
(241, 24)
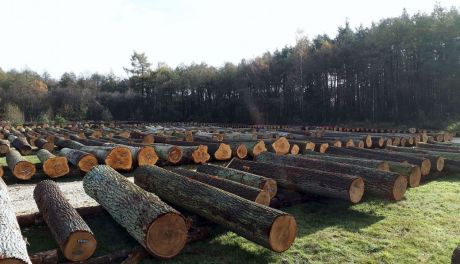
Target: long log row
(4, 147)
(328, 184)
(263, 225)
(267, 184)
(13, 247)
(158, 227)
(370, 163)
(253, 194)
(141, 155)
(72, 234)
(53, 166)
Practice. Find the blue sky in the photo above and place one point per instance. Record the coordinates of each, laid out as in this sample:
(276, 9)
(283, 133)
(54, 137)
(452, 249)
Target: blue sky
(86, 36)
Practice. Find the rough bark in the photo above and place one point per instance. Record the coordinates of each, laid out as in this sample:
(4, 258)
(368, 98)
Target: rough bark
(13, 247)
(20, 144)
(4, 147)
(304, 146)
(254, 148)
(263, 225)
(194, 154)
(72, 234)
(158, 227)
(53, 166)
(256, 181)
(379, 183)
(169, 153)
(80, 159)
(279, 146)
(218, 151)
(369, 163)
(253, 194)
(19, 166)
(147, 138)
(67, 143)
(42, 143)
(328, 184)
(116, 157)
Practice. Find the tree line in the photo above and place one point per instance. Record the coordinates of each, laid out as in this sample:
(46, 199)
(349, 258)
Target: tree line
(399, 70)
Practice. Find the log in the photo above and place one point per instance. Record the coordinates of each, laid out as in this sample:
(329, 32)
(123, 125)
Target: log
(19, 166)
(247, 192)
(456, 256)
(68, 143)
(254, 148)
(425, 164)
(158, 227)
(147, 138)
(263, 225)
(20, 144)
(218, 151)
(295, 149)
(304, 146)
(80, 159)
(195, 154)
(145, 155)
(72, 234)
(438, 147)
(239, 150)
(279, 146)
(436, 160)
(116, 157)
(169, 153)
(53, 166)
(379, 183)
(328, 184)
(369, 163)
(249, 179)
(13, 247)
(1, 171)
(42, 143)
(4, 146)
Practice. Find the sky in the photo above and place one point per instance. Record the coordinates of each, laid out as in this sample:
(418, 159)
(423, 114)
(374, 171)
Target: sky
(87, 36)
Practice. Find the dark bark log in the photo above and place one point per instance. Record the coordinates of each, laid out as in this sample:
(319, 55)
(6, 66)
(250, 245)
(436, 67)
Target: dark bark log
(141, 155)
(194, 154)
(42, 143)
(53, 166)
(304, 146)
(256, 181)
(13, 247)
(80, 159)
(20, 144)
(19, 166)
(70, 231)
(369, 163)
(67, 143)
(239, 150)
(253, 194)
(4, 147)
(456, 256)
(170, 153)
(155, 225)
(268, 227)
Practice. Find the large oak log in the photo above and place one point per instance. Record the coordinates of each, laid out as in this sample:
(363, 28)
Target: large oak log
(13, 249)
(263, 225)
(170, 153)
(328, 184)
(67, 143)
(53, 166)
(70, 231)
(19, 166)
(256, 181)
(425, 164)
(279, 146)
(4, 146)
(239, 150)
(80, 159)
(254, 148)
(218, 151)
(145, 155)
(20, 144)
(155, 225)
(253, 194)
(195, 154)
(304, 146)
(380, 183)
(42, 143)
(116, 157)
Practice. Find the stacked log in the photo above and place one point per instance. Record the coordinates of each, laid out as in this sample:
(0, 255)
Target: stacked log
(42, 143)
(53, 166)
(4, 147)
(115, 157)
(19, 166)
(70, 231)
(279, 146)
(158, 227)
(20, 144)
(80, 159)
(145, 155)
(263, 225)
(13, 247)
(169, 153)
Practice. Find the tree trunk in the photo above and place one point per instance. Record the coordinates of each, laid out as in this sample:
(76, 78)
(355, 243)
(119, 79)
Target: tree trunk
(456, 256)
(438, 147)
(19, 166)
(70, 231)
(169, 153)
(328, 184)
(425, 164)
(194, 154)
(147, 138)
(20, 144)
(256, 181)
(116, 157)
(304, 146)
(13, 247)
(42, 143)
(218, 151)
(4, 147)
(141, 155)
(155, 225)
(437, 161)
(67, 143)
(294, 150)
(250, 193)
(80, 159)
(380, 183)
(53, 166)
(263, 225)
(279, 146)
(254, 148)
(239, 150)
(369, 163)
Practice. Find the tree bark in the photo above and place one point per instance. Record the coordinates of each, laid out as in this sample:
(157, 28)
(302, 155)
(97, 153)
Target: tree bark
(70, 231)
(250, 193)
(169, 153)
(263, 225)
(328, 184)
(13, 247)
(19, 166)
(238, 150)
(67, 143)
(158, 227)
(42, 143)
(369, 163)
(20, 144)
(304, 146)
(118, 158)
(80, 159)
(256, 181)
(145, 155)
(4, 147)
(53, 166)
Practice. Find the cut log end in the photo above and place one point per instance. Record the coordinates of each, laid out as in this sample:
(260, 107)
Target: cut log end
(399, 188)
(79, 246)
(425, 167)
(415, 176)
(323, 147)
(368, 141)
(48, 146)
(167, 235)
(310, 146)
(174, 155)
(241, 151)
(440, 164)
(224, 152)
(258, 148)
(148, 139)
(281, 146)
(356, 190)
(271, 187)
(147, 156)
(87, 163)
(349, 143)
(201, 155)
(56, 167)
(24, 170)
(119, 158)
(4, 149)
(337, 143)
(263, 198)
(383, 166)
(295, 149)
(282, 233)
(361, 144)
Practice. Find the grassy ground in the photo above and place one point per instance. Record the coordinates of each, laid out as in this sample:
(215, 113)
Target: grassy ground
(422, 228)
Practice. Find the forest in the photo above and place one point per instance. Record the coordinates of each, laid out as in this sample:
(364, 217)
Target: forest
(404, 69)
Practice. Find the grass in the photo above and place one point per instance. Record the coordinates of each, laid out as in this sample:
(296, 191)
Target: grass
(422, 228)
